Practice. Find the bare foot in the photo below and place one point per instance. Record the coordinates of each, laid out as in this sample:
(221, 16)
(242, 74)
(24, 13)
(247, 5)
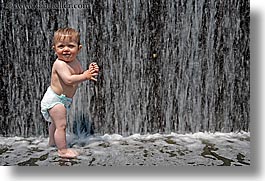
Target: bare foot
(68, 153)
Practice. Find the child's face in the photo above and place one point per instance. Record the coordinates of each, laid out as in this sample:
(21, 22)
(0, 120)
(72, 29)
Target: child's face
(67, 50)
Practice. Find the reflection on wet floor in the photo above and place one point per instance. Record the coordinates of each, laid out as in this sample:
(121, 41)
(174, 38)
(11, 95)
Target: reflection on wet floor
(200, 149)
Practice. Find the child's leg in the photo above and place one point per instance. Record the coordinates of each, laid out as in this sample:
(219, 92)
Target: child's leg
(58, 115)
(51, 134)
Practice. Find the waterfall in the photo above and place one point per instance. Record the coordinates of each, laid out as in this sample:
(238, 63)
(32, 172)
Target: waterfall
(165, 65)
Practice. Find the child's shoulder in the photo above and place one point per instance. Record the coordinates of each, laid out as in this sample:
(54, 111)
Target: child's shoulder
(59, 63)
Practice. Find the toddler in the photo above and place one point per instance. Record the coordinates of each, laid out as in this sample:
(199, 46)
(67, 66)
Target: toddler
(66, 74)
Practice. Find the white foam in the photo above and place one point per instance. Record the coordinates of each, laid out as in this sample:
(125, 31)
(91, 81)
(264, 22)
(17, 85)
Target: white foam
(107, 137)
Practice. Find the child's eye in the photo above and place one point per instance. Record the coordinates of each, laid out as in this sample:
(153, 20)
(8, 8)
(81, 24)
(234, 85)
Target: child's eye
(60, 46)
(71, 46)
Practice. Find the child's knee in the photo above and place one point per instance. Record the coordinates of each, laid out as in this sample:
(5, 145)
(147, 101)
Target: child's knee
(61, 126)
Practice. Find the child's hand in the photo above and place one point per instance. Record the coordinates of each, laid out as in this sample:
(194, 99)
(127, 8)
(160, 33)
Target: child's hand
(92, 71)
(94, 66)
(90, 74)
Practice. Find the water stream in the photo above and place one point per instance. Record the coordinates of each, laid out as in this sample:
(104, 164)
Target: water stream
(165, 66)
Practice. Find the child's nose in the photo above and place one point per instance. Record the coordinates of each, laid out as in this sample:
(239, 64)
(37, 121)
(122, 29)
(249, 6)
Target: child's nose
(66, 48)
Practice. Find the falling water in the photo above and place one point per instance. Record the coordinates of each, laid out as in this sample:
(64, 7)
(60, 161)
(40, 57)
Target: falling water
(165, 66)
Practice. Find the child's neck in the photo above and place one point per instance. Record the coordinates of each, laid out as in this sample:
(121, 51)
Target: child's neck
(67, 61)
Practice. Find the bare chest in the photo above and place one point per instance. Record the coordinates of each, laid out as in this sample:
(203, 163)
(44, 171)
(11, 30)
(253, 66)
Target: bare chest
(75, 68)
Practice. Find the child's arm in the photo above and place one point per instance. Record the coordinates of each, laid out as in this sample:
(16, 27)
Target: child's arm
(63, 71)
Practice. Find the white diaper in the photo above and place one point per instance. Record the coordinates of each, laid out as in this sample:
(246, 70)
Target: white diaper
(50, 99)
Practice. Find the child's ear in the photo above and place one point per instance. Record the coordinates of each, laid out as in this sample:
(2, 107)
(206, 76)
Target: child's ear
(79, 47)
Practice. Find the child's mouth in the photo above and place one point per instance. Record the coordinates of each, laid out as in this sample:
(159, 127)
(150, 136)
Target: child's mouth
(67, 55)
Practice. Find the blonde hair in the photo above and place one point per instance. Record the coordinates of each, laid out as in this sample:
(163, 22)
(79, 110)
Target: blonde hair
(69, 34)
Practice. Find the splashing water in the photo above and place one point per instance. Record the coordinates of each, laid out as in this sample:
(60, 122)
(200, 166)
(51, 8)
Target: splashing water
(199, 149)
